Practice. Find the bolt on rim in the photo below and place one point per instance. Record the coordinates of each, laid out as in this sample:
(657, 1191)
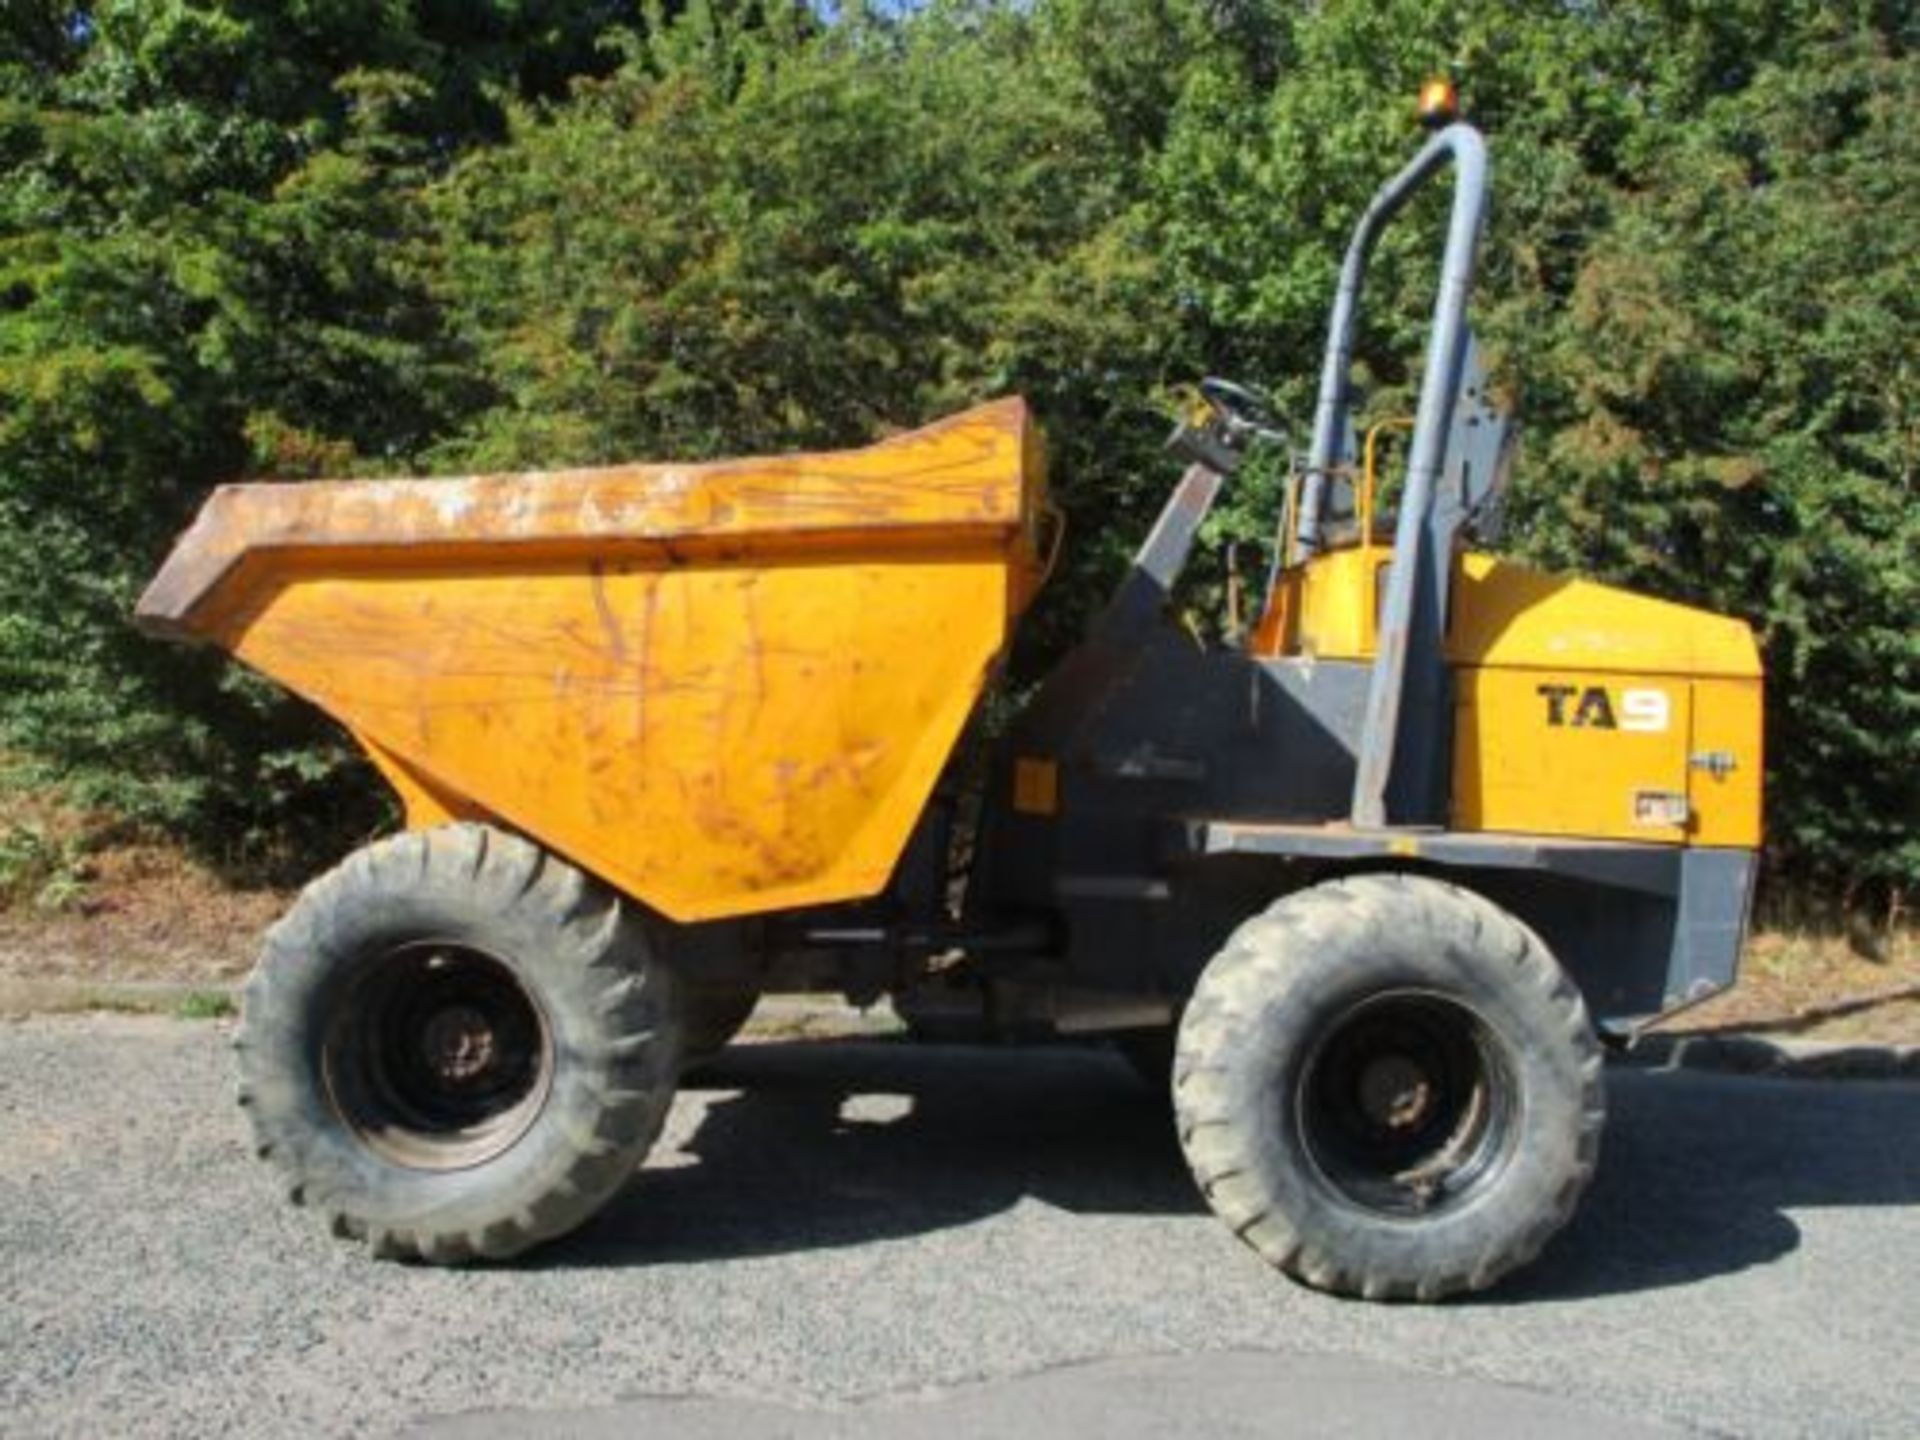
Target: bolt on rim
(439, 1057)
(1408, 1106)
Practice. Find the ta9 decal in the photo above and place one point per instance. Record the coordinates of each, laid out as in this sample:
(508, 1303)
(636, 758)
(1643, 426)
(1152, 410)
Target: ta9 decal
(1590, 707)
(1644, 710)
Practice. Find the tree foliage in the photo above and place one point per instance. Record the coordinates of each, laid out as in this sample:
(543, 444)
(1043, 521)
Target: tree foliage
(211, 237)
(340, 236)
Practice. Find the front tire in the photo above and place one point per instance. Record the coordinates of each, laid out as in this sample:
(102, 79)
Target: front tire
(456, 1046)
(1388, 1088)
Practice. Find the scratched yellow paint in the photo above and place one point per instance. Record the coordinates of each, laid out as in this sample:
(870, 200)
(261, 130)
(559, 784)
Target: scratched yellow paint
(741, 720)
(426, 804)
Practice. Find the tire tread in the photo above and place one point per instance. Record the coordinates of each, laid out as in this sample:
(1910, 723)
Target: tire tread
(629, 1067)
(1261, 960)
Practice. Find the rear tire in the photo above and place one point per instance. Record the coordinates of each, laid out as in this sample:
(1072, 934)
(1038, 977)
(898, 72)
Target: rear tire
(1387, 1087)
(456, 1046)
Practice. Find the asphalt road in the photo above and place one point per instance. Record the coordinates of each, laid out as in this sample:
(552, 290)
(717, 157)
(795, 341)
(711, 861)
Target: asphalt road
(869, 1239)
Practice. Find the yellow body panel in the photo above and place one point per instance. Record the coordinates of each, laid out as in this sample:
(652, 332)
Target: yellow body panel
(1036, 786)
(713, 740)
(1581, 709)
(724, 689)
(1505, 614)
(1514, 769)
(1327, 607)
(425, 803)
(1726, 720)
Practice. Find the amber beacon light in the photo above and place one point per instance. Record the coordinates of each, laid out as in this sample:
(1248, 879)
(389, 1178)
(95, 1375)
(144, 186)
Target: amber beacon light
(1439, 103)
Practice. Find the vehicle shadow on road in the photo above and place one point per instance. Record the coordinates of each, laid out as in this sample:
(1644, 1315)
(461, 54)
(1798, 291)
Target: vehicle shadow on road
(815, 1145)
(1699, 1174)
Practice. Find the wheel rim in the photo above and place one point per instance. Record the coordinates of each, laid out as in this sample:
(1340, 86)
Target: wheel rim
(439, 1058)
(1408, 1106)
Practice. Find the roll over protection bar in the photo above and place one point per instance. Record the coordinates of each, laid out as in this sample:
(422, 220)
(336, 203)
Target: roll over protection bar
(1402, 772)
(1465, 147)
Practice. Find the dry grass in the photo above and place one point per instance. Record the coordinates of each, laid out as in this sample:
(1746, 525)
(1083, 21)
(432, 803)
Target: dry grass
(81, 902)
(144, 913)
(1808, 985)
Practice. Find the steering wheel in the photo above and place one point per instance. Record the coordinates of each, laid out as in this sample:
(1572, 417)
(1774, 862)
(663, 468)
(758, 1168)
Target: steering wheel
(1246, 412)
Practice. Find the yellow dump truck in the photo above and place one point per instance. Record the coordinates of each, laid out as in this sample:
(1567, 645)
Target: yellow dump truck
(669, 737)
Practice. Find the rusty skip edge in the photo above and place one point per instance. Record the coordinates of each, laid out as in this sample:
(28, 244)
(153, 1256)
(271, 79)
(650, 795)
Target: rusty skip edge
(975, 475)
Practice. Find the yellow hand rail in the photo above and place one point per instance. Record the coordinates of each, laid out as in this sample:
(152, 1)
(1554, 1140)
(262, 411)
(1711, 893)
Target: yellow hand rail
(1368, 572)
(1398, 422)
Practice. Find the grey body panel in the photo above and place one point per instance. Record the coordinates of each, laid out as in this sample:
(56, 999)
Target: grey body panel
(1172, 730)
